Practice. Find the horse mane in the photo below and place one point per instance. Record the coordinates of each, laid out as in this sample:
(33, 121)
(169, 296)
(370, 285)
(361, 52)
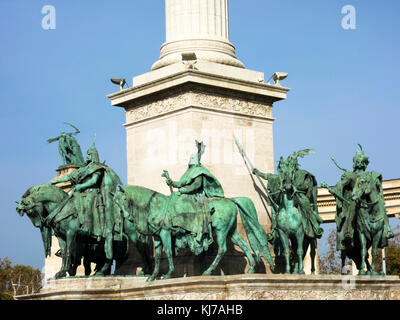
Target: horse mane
(44, 188)
(31, 190)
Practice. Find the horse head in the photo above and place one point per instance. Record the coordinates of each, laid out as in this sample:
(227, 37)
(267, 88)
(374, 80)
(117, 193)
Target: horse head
(20, 207)
(287, 183)
(33, 208)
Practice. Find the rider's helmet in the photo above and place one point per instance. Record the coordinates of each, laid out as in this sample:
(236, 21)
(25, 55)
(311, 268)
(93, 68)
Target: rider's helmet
(92, 155)
(360, 160)
(196, 157)
(281, 165)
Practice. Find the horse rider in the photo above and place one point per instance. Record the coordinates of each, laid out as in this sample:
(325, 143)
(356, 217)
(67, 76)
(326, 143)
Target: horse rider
(93, 186)
(190, 201)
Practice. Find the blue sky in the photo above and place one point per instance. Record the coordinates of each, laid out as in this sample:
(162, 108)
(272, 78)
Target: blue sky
(344, 85)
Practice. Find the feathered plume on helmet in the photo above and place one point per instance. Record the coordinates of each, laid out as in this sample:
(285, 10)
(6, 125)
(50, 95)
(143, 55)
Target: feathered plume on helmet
(196, 158)
(360, 157)
(92, 151)
(292, 159)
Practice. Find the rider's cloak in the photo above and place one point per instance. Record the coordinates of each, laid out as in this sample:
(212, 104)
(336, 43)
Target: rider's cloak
(190, 211)
(211, 186)
(91, 204)
(306, 198)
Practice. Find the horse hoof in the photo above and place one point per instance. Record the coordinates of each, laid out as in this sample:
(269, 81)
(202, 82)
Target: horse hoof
(362, 273)
(251, 270)
(166, 276)
(60, 275)
(207, 273)
(150, 279)
(301, 272)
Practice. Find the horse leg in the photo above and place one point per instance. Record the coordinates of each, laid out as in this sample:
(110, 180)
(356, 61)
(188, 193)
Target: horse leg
(87, 266)
(296, 259)
(158, 251)
(375, 243)
(221, 241)
(300, 252)
(143, 254)
(313, 253)
(61, 273)
(72, 269)
(238, 240)
(343, 259)
(77, 258)
(285, 244)
(166, 242)
(67, 256)
(363, 242)
(131, 231)
(367, 263)
(105, 268)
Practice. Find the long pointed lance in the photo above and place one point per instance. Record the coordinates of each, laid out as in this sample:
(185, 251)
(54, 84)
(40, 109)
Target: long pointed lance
(247, 160)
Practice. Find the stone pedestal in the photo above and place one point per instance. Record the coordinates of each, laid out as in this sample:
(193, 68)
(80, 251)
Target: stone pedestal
(239, 287)
(168, 109)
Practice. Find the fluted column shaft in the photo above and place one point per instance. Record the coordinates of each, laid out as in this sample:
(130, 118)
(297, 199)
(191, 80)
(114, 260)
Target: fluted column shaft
(196, 18)
(199, 26)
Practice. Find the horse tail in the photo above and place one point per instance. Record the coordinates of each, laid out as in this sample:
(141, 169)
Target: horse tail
(256, 235)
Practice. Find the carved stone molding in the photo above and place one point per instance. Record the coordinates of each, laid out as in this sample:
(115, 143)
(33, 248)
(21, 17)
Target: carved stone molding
(149, 110)
(234, 105)
(233, 287)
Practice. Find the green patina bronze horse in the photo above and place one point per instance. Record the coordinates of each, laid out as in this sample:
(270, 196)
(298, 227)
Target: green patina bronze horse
(289, 222)
(292, 195)
(361, 219)
(40, 201)
(149, 213)
(369, 219)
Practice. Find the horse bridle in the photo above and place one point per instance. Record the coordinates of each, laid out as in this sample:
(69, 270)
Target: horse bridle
(32, 205)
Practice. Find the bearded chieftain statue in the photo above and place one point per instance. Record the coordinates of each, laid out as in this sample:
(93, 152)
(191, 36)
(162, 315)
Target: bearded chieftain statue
(93, 186)
(292, 196)
(361, 219)
(190, 202)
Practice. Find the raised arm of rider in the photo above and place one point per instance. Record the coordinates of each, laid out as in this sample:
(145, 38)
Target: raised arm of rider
(63, 179)
(175, 184)
(260, 174)
(89, 183)
(196, 184)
